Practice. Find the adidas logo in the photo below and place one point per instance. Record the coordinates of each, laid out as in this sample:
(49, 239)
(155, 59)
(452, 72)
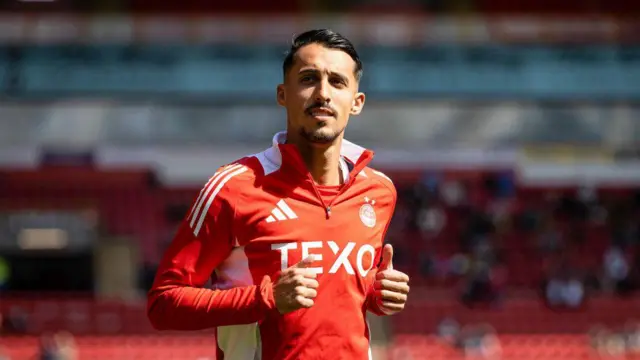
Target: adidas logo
(281, 212)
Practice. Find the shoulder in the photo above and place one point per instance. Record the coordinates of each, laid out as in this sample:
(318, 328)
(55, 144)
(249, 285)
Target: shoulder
(229, 181)
(381, 181)
(218, 197)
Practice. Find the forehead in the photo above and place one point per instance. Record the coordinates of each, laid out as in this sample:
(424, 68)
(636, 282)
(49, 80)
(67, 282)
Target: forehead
(315, 56)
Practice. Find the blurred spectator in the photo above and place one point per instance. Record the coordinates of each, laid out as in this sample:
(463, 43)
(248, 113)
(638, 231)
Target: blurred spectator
(611, 344)
(65, 346)
(47, 349)
(60, 346)
(426, 263)
(481, 342)
(431, 219)
(625, 233)
(453, 193)
(596, 336)
(549, 238)
(478, 226)
(632, 338)
(616, 271)
(483, 284)
(490, 347)
(16, 321)
(564, 289)
(614, 346)
(449, 331)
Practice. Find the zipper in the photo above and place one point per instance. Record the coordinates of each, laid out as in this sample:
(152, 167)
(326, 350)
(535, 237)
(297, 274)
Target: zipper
(327, 207)
(352, 179)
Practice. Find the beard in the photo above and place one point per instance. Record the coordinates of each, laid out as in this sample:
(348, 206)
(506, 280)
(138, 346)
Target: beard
(320, 136)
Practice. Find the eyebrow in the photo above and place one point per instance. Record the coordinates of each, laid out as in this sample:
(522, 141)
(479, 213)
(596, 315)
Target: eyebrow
(316, 71)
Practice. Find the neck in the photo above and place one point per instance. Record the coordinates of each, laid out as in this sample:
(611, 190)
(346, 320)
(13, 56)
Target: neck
(323, 162)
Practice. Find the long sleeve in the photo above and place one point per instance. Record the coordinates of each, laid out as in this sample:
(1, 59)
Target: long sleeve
(371, 301)
(177, 300)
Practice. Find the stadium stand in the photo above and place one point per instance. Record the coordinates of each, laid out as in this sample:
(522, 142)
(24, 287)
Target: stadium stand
(528, 248)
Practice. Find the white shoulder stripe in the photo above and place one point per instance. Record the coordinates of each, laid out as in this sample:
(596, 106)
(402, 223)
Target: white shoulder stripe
(195, 211)
(381, 175)
(220, 180)
(210, 201)
(203, 190)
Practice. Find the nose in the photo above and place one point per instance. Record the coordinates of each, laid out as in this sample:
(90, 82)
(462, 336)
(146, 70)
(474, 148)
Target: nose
(323, 92)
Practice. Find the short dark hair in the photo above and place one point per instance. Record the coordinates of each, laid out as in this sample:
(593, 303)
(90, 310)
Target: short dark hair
(327, 38)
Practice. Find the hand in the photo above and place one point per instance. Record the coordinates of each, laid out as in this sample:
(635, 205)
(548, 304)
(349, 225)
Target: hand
(391, 286)
(296, 287)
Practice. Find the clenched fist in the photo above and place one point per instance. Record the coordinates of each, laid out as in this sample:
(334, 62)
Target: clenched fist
(391, 286)
(296, 287)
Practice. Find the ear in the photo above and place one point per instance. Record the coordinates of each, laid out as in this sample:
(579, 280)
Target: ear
(280, 98)
(358, 104)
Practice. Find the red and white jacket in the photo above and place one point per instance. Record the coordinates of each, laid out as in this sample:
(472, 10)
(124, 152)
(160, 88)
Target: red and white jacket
(257, 216)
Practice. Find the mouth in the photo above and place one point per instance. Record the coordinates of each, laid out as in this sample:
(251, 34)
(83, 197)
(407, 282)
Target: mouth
(321, 113)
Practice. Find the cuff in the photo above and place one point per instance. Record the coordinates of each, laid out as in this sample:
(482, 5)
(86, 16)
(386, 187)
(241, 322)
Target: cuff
(372, 303)
(266, 294)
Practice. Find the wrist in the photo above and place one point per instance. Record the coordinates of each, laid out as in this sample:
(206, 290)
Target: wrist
(265, 294)
(374, 304)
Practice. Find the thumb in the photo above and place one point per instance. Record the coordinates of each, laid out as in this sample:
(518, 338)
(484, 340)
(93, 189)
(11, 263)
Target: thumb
(306, 262)
(387, 258)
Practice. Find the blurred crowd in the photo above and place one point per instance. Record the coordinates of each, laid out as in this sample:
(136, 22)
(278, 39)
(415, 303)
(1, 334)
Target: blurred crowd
(616, 343)
(481, 341)
(485, 236)
(57, 346)
(476, 341)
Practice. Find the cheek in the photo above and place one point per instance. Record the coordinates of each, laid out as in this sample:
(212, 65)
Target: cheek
(345, 104)
(302, 99)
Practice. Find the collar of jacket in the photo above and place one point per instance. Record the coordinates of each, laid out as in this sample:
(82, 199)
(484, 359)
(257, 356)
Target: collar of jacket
(281, 153)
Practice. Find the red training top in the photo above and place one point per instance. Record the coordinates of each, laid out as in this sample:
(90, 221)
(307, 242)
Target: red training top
(257, 216)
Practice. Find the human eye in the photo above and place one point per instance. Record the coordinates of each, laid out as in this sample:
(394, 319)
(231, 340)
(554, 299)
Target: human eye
(307, 79)
(338, 82)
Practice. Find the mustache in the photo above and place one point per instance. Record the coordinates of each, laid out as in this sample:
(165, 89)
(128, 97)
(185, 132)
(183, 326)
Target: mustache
(319, 106)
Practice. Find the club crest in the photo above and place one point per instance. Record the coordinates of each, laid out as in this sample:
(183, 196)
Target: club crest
(368, 213)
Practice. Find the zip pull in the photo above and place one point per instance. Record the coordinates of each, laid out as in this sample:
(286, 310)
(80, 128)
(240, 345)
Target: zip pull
(328, 209)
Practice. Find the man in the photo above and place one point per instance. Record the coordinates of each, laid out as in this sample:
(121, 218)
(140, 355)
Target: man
(291, 234)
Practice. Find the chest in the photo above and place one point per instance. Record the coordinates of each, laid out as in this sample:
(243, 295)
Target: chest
(282, 230)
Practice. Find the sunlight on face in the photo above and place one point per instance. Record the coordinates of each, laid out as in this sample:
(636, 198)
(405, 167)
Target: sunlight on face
(320, 92)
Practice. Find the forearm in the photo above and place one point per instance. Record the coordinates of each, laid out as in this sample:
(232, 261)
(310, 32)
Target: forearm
(371, 301)
(175, 307)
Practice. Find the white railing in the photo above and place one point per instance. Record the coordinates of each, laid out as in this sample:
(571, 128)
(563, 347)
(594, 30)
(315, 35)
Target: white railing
(396, 125)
